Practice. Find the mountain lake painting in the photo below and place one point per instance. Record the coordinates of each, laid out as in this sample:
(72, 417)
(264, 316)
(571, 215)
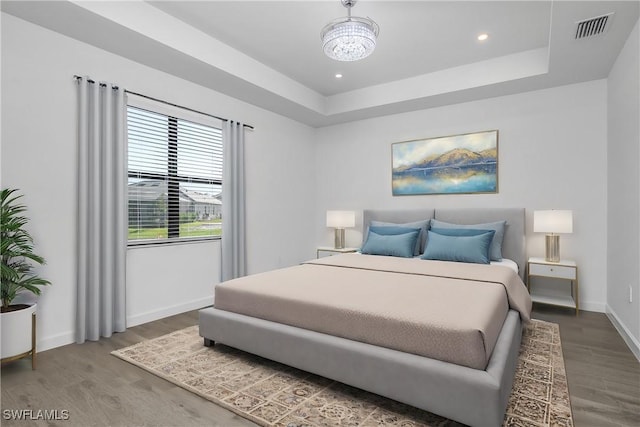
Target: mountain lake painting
(447, 165)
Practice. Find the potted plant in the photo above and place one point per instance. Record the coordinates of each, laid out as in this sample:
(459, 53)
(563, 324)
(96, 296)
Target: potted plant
(16, 277)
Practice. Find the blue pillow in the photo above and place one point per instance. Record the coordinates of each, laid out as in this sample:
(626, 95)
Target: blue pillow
(400, 245)
(473, 249)
(496, 243)
(392, 230)
(423, 225)
(459, 231)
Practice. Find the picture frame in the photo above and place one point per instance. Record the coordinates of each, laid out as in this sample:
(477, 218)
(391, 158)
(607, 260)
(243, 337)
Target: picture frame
(456, 164)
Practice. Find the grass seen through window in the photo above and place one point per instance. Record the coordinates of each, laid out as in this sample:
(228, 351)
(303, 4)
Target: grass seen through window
(205, 228)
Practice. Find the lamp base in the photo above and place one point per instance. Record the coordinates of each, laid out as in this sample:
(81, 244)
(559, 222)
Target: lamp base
(339, 239)
(552, 248)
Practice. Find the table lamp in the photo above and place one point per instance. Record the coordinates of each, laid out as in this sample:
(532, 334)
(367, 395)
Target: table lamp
(552, 222)
(340, 220)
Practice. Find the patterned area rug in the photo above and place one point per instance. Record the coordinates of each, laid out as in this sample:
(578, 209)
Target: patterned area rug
(271, 394)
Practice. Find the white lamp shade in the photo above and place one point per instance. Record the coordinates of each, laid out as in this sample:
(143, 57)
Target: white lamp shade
(553, 221)
(341, 219)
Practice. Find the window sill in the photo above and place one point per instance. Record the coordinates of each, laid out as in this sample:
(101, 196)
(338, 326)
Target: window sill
(170, 242)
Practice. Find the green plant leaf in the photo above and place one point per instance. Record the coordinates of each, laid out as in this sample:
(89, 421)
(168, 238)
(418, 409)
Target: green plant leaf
(16, 250)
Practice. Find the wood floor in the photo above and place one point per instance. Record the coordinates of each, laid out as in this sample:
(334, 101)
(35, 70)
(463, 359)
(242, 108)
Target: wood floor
(603, 374)
(99, 389)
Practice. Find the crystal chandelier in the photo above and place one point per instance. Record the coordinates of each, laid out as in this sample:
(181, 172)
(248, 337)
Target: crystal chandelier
(350, 38)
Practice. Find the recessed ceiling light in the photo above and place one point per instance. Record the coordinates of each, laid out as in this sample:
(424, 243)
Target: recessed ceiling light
(338, 76)
(482, 37)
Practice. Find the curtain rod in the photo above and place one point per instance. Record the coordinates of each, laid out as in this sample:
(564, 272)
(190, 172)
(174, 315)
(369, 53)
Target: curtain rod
(164, 102)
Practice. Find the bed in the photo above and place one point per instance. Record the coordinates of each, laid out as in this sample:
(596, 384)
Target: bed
(453, 354)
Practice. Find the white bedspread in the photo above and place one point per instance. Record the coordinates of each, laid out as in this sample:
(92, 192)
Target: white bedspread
(448, 311)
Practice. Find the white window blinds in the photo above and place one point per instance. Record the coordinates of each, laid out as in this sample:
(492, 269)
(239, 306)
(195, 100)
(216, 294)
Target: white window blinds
(174, 177)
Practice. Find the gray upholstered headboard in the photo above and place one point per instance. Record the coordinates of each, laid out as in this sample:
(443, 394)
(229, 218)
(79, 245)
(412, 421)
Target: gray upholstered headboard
(513, 245)
(395, 216)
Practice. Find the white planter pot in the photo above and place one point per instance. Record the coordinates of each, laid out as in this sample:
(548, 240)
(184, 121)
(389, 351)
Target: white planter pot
(16, 331)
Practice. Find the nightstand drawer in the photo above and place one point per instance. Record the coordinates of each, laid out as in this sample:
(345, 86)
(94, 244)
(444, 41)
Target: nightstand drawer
(559, 271)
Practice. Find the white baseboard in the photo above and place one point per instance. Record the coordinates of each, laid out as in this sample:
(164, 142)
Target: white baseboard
(48, 343)
(630, 340)
(150, 316)
(598, 307)
(54, 341)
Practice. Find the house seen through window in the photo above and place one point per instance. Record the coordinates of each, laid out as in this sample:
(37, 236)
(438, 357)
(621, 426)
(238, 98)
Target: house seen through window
(174, 178)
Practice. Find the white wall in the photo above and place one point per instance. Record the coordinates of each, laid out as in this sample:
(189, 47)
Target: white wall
(623, 205)
(552, 151)
(166, 280)
(39, 157)
(552, 148)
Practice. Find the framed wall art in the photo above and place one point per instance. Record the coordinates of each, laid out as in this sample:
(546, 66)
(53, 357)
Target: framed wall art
(459, 164)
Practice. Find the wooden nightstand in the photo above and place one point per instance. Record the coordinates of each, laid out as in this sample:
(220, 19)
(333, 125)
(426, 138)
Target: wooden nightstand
(323, 251)
(566, 270)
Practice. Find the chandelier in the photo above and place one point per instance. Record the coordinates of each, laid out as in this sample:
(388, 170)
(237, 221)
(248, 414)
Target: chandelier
(350, 38)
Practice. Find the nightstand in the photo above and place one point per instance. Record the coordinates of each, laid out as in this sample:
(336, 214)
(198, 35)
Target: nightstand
(565, 270)
(323, 251)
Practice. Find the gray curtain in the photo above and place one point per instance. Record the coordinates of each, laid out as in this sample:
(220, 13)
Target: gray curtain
(233, 202)
(102, 205)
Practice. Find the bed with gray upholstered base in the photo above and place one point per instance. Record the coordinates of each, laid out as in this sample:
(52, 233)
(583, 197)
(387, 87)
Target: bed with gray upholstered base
(471, 396)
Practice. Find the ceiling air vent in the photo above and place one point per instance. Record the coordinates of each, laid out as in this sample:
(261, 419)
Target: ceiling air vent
(593, 26)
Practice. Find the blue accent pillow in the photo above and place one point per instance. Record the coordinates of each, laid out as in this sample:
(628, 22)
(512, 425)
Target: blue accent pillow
(496, 243)
(423, 225)
(473, 249)
(459, 231)
(400, 245)
(393, 230)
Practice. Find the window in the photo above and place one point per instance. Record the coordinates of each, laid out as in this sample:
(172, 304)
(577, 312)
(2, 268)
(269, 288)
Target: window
(174, 178)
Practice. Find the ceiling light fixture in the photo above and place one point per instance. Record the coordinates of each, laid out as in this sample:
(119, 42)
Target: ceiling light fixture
(483, 37)
(338, 76)
(350, 38)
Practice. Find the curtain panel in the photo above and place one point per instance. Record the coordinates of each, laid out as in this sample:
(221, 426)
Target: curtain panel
(102, 204)
(233, 202)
